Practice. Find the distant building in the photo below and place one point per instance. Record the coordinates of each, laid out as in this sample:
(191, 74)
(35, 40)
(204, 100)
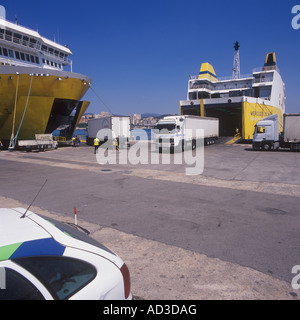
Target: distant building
(135, 119)
(104, 114)
(83, 120)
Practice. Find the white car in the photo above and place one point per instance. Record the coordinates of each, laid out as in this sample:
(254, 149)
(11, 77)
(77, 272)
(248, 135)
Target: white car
(44, 259)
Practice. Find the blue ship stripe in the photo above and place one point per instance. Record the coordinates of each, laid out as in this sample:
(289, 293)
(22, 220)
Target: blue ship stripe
(208, 72)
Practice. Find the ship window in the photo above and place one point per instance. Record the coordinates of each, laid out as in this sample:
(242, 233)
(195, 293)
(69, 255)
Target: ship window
(192, 96)
(22, 56)
(27, 57)
(0, 51)
(25, 40)
(17, 55)
(44, 48)
(37, 60)
(50, 50)
(1, 33)
(8, 35)
(48, 62)
(11, 53)
(32, 43)
(5, 53)
(52, 64)
(61, 55)
(56, 53)
(32, 59)
(17, 38)
(235, 93)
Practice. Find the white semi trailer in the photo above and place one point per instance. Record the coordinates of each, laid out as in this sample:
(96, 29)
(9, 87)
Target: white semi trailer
(179, 132)
(109, 128)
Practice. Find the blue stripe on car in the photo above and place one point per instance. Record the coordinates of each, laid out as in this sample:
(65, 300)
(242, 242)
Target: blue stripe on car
(40, 247)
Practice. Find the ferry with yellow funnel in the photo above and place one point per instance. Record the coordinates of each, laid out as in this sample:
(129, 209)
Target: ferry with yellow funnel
(238, 102)
(37, 95)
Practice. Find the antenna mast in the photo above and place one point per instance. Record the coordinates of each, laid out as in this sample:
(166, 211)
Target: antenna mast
(236, 74)
(24, 215)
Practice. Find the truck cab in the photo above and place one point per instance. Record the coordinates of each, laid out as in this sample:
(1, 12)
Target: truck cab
(168, 132)
(266, 134)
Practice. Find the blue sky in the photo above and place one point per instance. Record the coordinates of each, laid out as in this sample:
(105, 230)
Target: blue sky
(141, 53)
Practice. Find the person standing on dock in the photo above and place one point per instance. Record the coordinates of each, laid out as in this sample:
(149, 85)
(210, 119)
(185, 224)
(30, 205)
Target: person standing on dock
(77, 141)
(115, 144)
(96, 144)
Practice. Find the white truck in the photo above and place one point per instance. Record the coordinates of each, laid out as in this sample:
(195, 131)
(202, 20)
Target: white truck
(108, 129)
(267, 136)
(179, 132)
(41, 142)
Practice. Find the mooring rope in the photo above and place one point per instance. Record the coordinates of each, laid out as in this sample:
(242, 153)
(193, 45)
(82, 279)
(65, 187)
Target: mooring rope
(14, 140)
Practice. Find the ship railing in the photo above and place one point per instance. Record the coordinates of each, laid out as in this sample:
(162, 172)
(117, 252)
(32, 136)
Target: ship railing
(263, 79)
(242, 77)
(34, 45)
(267, 68)
(200, 86)
(219, 87)
(231, 87)
(65, 60)
(22, 42)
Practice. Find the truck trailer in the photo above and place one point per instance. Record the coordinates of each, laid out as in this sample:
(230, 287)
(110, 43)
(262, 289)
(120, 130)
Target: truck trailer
(108, 129)
(179, 132)
(267, 136)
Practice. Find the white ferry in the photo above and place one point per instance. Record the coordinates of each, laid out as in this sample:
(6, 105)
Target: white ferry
(238, 102)
(37, 95)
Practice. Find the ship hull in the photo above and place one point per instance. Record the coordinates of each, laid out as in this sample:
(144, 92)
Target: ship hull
(37, 101)
(236, 113)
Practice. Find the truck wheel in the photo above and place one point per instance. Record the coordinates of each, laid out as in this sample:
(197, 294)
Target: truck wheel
(266, 146)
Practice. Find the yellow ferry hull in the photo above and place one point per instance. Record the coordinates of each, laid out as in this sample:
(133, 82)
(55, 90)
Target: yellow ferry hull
(37, 101)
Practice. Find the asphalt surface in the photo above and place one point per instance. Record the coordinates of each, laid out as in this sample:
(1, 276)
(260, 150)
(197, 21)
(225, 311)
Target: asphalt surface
(229, 233)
